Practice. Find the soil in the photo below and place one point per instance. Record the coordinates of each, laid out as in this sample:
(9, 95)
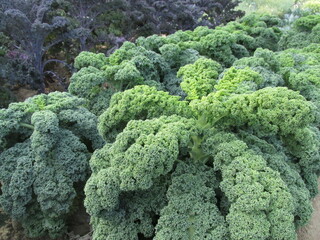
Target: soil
(312, 230)
(21, 93)
(24, 93)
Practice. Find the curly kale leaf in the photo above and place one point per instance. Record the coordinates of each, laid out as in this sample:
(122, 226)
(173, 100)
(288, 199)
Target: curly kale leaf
(191, 212)
(141, 102)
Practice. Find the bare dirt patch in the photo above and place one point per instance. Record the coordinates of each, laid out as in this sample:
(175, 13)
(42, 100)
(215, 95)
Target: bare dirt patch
(24, 93)
(312, 230)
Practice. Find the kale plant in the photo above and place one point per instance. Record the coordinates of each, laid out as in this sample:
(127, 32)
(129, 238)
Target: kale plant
(224, 166)
(45, 144)
(237, 158)
(35, 31)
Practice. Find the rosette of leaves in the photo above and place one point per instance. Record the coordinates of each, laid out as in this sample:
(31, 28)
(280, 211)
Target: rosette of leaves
(236, 160)
(45, 144)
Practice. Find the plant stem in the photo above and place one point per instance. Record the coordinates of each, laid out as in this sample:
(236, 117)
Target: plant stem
(26, 125)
